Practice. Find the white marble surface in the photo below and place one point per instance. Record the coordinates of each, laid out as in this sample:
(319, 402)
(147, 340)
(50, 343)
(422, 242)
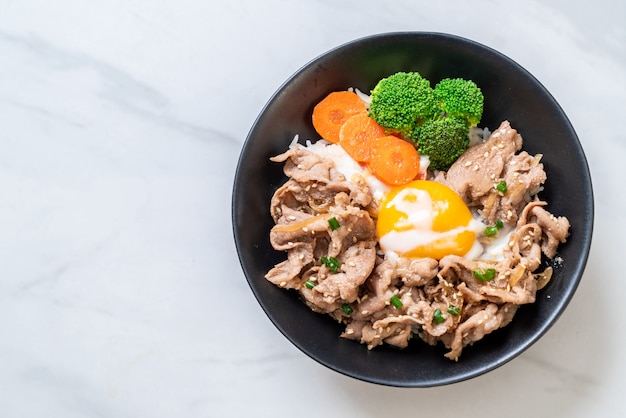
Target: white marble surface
(120, 127)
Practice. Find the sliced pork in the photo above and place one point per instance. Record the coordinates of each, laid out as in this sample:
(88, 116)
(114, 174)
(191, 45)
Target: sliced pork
(455, 301)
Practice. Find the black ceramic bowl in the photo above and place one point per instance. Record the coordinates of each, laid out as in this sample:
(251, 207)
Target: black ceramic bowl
(510, 93)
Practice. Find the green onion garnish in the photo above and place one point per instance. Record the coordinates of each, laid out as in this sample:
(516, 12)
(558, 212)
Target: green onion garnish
(309, 284)
(485, 275)
(453, 310)
(333, 223)
(346, 309)
(396, 302)
(493, 229)
(331, 262)
(501, 187)
(438, 317)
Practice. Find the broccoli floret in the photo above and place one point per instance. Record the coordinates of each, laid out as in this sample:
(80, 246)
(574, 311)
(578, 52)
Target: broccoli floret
(460, 98)
(443, 140)
(402, 101)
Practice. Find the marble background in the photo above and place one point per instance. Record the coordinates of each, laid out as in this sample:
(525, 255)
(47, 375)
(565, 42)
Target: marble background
(121, 123)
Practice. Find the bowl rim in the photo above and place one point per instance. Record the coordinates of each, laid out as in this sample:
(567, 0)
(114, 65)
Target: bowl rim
(574, 280)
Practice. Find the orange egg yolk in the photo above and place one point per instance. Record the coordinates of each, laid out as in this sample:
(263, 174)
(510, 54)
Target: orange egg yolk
(424, 219)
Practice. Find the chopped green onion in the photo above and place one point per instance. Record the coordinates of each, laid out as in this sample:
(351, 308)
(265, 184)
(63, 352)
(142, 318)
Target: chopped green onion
(453, 310)
(396, 302)
(491, 230)
(438, 317)
(485, 275)
(333, 223)
(309, 284)
(501, 187)
(331, 262)
(347, 309)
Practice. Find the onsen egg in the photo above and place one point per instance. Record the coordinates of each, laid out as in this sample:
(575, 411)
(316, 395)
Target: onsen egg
(425, 219)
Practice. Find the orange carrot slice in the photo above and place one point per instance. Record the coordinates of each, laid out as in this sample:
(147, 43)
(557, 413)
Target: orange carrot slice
(333, 111)
(357, 135)
(394, 160)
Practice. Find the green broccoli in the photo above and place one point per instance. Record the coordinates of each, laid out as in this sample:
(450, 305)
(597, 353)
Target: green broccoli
(460, 98)
(402, 101)
(437, 120)
(443, 140)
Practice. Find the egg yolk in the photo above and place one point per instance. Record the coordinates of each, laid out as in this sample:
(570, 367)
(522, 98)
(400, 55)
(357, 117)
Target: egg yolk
(424, 219)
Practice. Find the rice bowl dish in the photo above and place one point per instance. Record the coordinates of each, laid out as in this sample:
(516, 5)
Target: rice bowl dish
(511, 94)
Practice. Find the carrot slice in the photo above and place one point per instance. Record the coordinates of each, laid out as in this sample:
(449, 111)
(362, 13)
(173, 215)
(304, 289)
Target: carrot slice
(333, 111)
(394, 160)
(357, 135)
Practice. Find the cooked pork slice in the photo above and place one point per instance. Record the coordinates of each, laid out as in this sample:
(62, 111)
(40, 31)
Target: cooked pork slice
(320, 178)
(524, 248)
(356, 264)
(518, 295)
(474, 173)
(299, 199)
(317, 302)
(396, 333)
(355, 224)
(555, 230)
(477, 326)
(306, 167)
(412, 271)
(302, 209)
(286, 236)
(524, 175)
(421, 311)
(397, 329)
(286, 274)
(388, 275)
(354, 330)
(505, 286)
(400, 336)
(372, 337)
(442, 297)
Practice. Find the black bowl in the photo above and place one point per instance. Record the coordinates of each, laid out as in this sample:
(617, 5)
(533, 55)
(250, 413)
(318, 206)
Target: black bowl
(511, 93)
